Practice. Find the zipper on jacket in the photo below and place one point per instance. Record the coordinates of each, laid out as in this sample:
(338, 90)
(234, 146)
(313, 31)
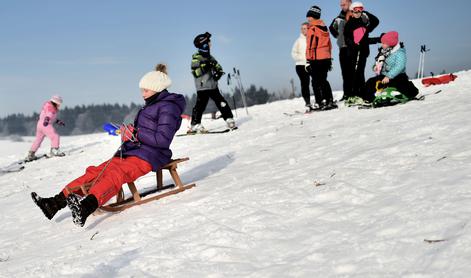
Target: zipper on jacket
(310, 43)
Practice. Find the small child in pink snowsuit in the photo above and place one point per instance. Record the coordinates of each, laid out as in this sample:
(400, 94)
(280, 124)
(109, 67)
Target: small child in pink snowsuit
(45, 127)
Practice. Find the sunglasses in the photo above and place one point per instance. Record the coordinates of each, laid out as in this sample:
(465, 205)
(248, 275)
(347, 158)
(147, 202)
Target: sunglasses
(359, 11)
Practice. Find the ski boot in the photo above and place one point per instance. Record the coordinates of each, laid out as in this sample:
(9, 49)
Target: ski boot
(231, 124)
(354, 101)
(322, 105)
(56, 152)
(310, 108)
(49, 206)
(81, 209)
(31, 156)
(331, 105)
(198, 128)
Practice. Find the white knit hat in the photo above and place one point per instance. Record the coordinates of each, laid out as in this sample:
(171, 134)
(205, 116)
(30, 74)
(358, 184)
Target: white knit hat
(356, 5)
(156, 81)
(56, 99)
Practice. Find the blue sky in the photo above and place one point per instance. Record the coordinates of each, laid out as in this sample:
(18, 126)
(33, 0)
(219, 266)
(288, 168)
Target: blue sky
(96, 51)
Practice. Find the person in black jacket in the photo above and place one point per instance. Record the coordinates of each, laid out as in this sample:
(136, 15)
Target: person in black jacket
(337, 30)
(207, 71)
(357, 29)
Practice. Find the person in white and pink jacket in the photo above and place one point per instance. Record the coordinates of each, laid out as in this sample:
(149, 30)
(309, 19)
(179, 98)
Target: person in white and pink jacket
(45, 128)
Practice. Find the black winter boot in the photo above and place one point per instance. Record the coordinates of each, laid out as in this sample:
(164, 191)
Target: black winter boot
(81, 209)
(50, 206)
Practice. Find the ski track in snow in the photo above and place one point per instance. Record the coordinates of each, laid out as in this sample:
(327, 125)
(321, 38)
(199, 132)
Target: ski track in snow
(342, 193)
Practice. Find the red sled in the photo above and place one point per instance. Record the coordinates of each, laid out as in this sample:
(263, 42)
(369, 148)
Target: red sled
(444, 79)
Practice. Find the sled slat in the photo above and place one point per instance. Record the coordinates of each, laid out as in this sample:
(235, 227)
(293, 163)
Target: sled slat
(120, 207)
(141, 198)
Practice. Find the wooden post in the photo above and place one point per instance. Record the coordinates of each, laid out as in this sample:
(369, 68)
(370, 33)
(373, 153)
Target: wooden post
(159, 179)
(135, 193)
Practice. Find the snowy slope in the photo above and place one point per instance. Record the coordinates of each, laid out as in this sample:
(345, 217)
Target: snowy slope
(343, 193)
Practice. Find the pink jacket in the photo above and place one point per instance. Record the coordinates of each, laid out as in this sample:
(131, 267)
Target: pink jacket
(48, 111)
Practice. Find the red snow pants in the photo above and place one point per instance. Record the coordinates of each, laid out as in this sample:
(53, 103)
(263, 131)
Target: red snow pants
(118, 172)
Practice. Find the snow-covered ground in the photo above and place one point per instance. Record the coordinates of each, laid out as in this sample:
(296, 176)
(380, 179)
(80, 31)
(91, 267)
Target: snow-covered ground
(342, 193)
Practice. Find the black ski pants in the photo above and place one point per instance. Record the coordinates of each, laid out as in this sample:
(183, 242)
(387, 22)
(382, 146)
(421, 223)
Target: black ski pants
(400, 82)
(305, 79)
(346, 72)
(202, 98)
(358, 58)
(322, 89)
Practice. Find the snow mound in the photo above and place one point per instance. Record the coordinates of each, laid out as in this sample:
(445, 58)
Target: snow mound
(343, 193)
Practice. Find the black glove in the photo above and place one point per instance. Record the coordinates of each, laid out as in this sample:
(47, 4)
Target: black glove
(376, 40)
(330, 64)
(60, 122)
(212, 63)
(218, 74)
(46, 121)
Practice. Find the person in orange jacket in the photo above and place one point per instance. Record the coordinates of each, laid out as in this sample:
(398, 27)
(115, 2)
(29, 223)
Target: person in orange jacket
(319, 58)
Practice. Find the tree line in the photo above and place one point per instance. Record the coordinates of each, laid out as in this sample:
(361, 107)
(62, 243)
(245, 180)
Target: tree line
(85, 119)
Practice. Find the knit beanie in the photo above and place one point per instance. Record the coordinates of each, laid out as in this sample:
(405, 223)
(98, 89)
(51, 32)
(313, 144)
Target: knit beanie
(356, 5)
(390, 38)
(156, 81)
(314, 12)
(56, 99)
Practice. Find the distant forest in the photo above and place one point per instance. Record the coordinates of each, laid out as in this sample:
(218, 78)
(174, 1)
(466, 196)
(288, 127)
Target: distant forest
(90, 119)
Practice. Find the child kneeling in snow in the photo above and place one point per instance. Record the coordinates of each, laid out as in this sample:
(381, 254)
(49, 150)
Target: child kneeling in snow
(146, 150)
(390, 69)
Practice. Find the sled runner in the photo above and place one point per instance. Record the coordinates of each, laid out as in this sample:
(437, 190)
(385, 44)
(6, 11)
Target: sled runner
(142, 198)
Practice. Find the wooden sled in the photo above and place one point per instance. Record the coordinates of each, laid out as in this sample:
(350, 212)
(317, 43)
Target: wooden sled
(141, 198)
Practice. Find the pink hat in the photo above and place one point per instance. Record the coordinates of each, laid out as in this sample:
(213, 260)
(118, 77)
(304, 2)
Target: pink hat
(390, 38)
(56, 99)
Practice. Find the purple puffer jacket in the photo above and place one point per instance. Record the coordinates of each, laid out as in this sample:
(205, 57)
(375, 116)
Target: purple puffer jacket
(156, 124)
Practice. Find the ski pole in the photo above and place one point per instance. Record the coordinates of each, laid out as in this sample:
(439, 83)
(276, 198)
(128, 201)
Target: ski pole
(235, 106)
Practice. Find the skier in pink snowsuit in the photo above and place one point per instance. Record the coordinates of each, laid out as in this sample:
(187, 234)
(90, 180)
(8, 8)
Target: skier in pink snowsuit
(45, 128)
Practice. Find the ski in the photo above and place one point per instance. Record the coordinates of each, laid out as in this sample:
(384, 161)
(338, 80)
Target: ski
(23, 161)
(14, 167)
(19, 165)
(207, 132)
(315, 110)
(295, 113)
